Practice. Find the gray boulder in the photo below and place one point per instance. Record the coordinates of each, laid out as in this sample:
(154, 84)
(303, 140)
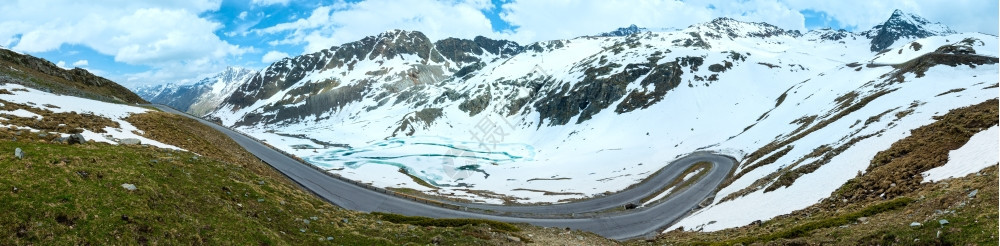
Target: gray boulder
(18, 153)
(61, 140)
(130, 141)
(130, 187)
(76, 139)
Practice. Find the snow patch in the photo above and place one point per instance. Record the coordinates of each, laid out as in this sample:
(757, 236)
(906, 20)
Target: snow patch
(980, 152)
(66, 104)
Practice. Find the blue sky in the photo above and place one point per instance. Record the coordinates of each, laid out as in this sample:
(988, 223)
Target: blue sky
(181, 41)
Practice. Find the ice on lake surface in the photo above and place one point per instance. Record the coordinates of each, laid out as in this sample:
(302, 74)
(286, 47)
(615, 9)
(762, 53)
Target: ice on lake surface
(440, 161)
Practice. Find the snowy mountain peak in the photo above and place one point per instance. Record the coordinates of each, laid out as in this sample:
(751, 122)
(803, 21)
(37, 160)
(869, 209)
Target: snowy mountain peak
(229, 77)
(732, 29)
(397, 42)
(198, 98)
(624, 31)
(230, 73)
(903, 25)
(902, 19)
(829, 34)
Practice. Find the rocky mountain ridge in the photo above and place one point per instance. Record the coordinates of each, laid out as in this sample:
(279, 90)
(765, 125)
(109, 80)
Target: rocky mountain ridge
(903, 25)
(623, 31)
(39, 73)
(499, 122)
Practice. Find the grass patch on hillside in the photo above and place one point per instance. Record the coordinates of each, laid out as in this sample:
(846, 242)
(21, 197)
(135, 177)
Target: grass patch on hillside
(417, 180)
(806, 228)
(895, 171)
(446, 222)
(74, 194)
(41, 74)
(193, 136)
(54, 122)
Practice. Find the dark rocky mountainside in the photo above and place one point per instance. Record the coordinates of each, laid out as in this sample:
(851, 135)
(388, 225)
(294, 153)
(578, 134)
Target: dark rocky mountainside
(624, 31)
(903, 25)
(428, 63)
(41, 74)
(406, 68)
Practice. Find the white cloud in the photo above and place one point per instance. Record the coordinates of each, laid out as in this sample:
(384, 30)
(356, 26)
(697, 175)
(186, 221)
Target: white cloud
(168, 36)
(243, 15)
(81, 63)
(344, 22)
(61, 64)
(546, 20)
(273, 56)
(269, 2)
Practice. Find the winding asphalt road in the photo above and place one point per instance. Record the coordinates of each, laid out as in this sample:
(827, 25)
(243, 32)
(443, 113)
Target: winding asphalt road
(620, 226)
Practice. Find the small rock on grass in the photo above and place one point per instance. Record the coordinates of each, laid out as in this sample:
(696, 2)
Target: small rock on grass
(130, 187)
(61, 139)
(915, 224)
(513, 239)
(77, 139)
(973, 193)
(130, 141)
(18, 153)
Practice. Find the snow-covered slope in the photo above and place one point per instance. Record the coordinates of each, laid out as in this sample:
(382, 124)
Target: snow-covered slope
(198, 98)
(980, 152)
(826, 130)
(495, 121)
(44, 101)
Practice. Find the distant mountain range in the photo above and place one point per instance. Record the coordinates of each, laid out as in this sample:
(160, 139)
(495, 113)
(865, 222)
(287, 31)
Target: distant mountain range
(198, 98)
(563, 119)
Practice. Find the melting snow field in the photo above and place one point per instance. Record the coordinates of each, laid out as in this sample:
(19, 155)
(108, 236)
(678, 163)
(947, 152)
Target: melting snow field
(980, 152)
(64, 104)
